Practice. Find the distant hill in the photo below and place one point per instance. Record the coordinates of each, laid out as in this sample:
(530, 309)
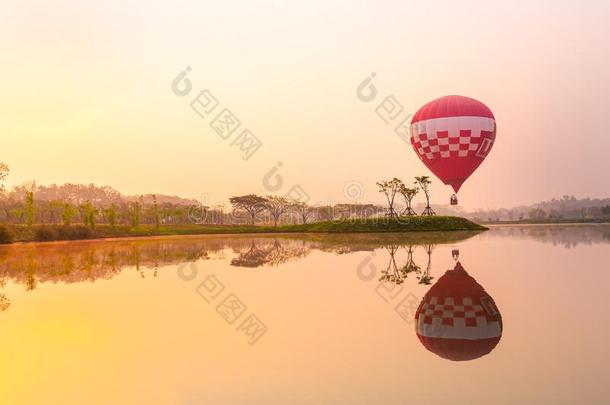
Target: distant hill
(567, 207)
(163, 199)
(97, 195)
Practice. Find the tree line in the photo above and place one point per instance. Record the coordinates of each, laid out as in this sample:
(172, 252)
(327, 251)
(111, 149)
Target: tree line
(23, 206)
(91, 205)
(564, 208)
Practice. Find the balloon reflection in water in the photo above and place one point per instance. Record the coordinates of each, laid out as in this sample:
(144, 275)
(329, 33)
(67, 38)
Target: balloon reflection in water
(457, 319)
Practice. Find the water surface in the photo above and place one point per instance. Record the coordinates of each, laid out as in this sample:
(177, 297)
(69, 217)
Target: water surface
(308, 319)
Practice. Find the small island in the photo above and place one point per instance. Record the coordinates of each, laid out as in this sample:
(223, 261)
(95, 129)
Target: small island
(43, 233)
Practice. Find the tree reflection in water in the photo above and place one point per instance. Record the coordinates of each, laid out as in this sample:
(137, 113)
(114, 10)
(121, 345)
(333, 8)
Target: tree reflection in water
(397, 275)
(425, 277)
(410, 265)
(4, 303)
(262, 253)
(88, 261)
(391, 273)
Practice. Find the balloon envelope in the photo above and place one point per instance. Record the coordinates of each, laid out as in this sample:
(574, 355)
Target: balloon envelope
(452, 135)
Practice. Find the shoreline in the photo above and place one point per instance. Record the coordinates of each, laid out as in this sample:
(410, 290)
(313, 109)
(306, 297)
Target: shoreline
(78, 232)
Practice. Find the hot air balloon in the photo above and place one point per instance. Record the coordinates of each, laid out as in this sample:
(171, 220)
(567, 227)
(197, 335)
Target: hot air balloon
(452, 135)
(457, 320)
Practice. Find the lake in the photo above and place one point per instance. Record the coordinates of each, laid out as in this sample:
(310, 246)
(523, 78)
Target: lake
(309, 319)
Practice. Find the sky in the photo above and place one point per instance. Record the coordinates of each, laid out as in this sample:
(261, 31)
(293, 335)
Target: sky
(87, 94)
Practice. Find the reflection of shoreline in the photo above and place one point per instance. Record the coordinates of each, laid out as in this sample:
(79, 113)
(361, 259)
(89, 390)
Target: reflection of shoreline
(70, 262)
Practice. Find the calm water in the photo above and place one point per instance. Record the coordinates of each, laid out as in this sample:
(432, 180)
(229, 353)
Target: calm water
(309, 319)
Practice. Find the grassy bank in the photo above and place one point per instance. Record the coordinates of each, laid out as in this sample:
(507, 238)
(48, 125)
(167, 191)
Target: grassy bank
(18, 233)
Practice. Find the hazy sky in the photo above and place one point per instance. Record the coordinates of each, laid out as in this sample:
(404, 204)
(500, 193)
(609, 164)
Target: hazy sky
(86, 93)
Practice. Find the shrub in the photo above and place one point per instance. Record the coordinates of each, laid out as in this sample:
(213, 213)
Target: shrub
(75, 232)
(6, 236)
(45, 234)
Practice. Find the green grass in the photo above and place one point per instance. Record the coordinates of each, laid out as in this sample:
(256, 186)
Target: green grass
(404, 224)
(21, 233)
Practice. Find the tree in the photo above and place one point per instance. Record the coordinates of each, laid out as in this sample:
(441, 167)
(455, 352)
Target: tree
(111, 215)
(424, 183)
(135, 212)
(53, 210)
(68, 214)
(30, 209)
(18, 214)
(303, 209)
(155, 212)
(537, 214)
(276, 206)
(606, 211)
(408, 194)
(326, 212)
(90, 212)
(251, 203)
(4, 172)
(220, 209)
(389, 189)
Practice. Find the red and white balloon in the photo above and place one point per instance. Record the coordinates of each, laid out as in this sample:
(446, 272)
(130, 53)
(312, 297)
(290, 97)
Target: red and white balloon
(452, 135)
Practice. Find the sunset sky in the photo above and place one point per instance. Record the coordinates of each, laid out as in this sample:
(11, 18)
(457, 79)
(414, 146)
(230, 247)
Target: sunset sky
(87, 98)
